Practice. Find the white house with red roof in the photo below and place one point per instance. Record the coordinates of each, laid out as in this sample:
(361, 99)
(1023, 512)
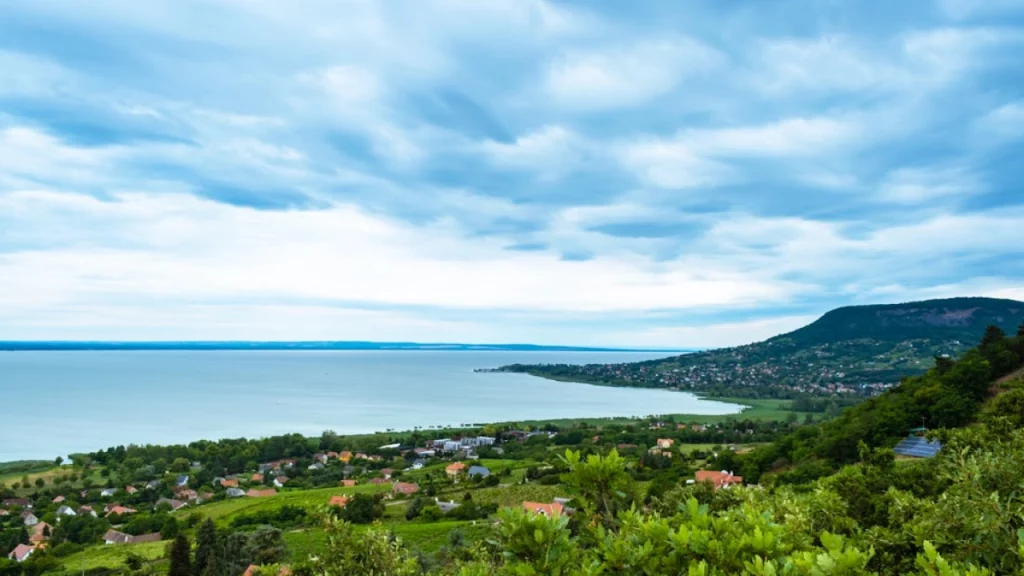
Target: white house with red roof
(552, 510)
(723, 479)
(21, 552)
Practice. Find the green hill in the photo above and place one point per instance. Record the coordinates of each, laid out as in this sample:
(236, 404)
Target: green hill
(952, 319)
(850, 350)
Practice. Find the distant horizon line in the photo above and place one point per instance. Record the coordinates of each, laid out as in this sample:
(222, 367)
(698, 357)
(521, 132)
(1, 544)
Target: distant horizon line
(158, 345)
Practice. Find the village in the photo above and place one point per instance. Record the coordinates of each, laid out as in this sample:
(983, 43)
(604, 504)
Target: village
(431, 481)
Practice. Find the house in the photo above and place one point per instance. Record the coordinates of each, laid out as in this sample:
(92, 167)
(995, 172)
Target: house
(316, 466)
(378, 481)
(387, 472)
(721, 479)
(188, 495)
(320, 457)
(118, 510)
(235, 492)
(229, 483)
(86, 510)
(405, 488)
(40, 533)
(19, 502)
(451, 446)
(182, 480)
(665, 443)
(261, 493)
(174, 504)
(348, 483)
(4, 512)
(446, 506)
(453, 470)
(478, 441)
(115, 537)
(29, 518)
(419, 464)
(480, 471)
(331, 456)
(424, 452)
(553, 510)
(256, 478)
(107, 493)
(153, 485)
(339, 501)
(280, 481)
(21, 552)
(58, 499)
(131, 489)
(65, 511)
(345, 456)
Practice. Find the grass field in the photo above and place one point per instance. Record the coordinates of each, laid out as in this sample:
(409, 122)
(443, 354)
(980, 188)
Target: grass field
(48, 473)
(509, 496)
(113, 556)
(15, 470)
(222, 511)
(756, 409)
(763, 410)
(428, 537)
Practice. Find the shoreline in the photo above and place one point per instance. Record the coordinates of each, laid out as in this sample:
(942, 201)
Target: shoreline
(751, 409)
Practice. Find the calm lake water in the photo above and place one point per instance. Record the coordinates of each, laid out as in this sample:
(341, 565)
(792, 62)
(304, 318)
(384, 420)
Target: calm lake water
(55, 403)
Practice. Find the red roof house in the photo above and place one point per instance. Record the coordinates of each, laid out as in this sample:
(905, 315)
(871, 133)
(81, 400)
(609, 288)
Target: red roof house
(21, 552)
(721, 479)
(405, 488)
(553, 510)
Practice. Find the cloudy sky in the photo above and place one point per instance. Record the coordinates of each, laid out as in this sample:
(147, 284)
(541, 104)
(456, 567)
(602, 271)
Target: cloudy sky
(676, 173)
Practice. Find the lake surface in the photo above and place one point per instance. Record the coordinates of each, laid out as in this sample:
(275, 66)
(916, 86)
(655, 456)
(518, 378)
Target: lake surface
(55, 403)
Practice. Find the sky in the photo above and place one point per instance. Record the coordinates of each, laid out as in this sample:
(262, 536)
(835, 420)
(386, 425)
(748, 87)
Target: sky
(666, 173)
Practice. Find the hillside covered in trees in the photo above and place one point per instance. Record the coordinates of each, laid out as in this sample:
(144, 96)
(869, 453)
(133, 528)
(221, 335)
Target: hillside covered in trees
(856, 350)
(867, 512)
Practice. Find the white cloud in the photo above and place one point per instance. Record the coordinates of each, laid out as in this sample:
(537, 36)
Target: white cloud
(351, 85)
(826, 63)
(713, 335)
(28, 155)
(696, 157)
(917, 185)
(27, 75)
(1003, 123)
(627, 76)
(913, 63)
(550, 151)
(966, 8)
(189, 248)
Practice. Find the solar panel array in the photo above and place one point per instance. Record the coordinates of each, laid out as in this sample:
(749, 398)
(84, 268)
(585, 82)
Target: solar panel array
(918, 447)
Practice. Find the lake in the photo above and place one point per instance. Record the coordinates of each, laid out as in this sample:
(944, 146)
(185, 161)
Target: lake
(55, 403)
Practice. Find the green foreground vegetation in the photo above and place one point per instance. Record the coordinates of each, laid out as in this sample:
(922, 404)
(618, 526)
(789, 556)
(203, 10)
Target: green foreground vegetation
(818, 497)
